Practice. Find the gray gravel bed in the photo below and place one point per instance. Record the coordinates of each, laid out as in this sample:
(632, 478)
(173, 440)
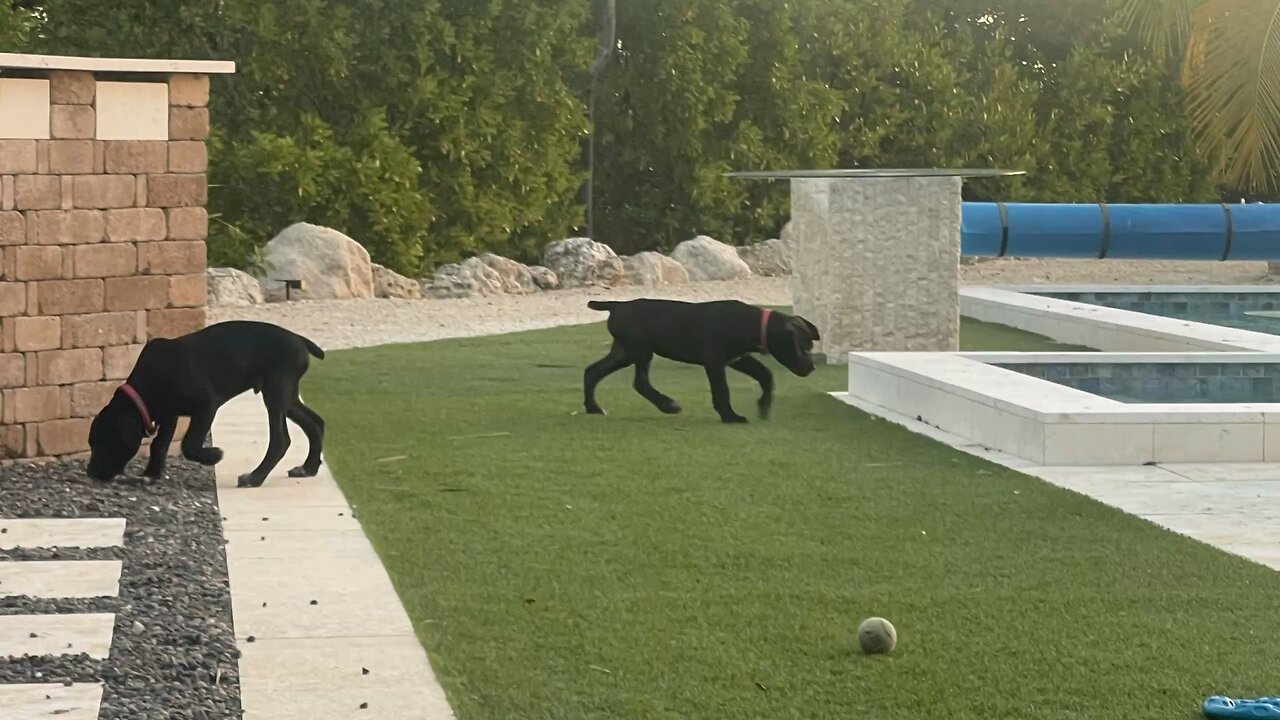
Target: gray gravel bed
(173, 654)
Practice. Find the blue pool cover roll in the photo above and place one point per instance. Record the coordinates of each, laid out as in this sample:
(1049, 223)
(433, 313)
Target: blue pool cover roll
(1224, 708)
(1137, 231)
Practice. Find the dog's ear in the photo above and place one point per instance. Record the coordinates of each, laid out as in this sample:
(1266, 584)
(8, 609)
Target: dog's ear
(810, 328)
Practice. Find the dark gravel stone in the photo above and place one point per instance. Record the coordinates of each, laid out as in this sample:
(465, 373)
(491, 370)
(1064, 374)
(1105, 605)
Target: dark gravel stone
(173, 652)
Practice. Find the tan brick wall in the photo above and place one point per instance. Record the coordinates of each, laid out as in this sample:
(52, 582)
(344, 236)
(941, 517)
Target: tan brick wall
(102, 247)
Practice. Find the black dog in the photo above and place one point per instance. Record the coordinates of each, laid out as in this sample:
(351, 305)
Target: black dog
(193, 376)
(710, 334)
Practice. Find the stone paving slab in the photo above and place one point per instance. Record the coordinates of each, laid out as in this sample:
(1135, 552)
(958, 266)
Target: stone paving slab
(84, 533)
(294, 541)
(63, 634)
(280, 544)
(42, 702)
(333, 683)
(61, 578)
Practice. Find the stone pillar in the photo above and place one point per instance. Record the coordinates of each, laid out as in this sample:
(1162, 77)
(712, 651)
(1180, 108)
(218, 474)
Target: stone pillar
(876, 262)
(102, 234)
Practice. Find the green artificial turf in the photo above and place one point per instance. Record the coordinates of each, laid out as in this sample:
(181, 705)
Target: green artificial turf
(642, 566)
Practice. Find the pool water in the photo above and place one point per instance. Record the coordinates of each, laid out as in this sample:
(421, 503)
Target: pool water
(1168, 382)
(1226, 309)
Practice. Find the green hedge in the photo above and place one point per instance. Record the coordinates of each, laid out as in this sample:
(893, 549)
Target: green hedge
(433, 129)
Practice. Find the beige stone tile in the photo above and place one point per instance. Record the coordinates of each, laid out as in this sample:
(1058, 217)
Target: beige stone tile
(64, 634)
(41, 702)
(37, 533)
(60, 578)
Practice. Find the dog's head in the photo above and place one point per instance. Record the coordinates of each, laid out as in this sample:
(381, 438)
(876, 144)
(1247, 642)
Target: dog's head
(114, 438)
(791, 343)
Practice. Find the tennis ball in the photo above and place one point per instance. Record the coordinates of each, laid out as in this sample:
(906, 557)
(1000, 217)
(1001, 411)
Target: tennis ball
(876, 635)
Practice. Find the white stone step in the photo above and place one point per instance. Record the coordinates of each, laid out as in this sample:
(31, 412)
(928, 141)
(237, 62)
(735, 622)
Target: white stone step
(60, 578)
(41, 702)
(63, 634)
(83, 532)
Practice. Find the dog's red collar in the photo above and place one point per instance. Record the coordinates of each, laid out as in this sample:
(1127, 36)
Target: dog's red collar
(764, 330)
(147, 422)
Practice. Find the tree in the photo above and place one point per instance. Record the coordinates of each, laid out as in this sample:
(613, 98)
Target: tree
(1229, 56)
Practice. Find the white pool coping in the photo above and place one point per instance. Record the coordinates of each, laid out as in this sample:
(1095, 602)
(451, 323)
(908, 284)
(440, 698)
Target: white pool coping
(1047, 423)
(1111, 329)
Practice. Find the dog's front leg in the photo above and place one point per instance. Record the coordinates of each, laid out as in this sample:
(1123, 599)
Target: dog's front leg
(193, 442)
(720, 394)
(160, 447)
(755, 369)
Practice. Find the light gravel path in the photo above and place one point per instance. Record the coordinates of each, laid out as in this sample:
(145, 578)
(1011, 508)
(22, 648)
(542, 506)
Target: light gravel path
(336, 324)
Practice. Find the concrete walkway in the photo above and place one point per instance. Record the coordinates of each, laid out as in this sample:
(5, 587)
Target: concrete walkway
(321, 631)
(57, 634)
(1232, 506)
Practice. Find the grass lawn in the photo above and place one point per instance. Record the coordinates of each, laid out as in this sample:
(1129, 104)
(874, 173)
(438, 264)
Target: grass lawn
(643, 566)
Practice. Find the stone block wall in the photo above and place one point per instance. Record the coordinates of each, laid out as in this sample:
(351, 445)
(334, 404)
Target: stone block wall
(102, 241)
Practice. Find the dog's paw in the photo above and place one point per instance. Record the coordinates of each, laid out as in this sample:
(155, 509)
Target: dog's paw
(596, 411)
(302, 471)
(205, 455)
(249, 481)
(670, 407)
(765, 405)
(734, 420)
(154, 474)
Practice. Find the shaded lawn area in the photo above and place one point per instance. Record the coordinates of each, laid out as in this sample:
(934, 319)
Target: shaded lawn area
(558, 565)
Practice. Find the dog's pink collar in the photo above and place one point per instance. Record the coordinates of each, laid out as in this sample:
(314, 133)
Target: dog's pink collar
(764, 330)
(147, 422)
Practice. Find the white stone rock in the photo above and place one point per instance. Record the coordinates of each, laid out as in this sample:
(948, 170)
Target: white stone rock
(388, 283)
(709, 259)
(768, 258)
(225, 287)
(544, 278)
(581, 262)
(330, 265)
(652, 269)
(516, 278)
(468, 278)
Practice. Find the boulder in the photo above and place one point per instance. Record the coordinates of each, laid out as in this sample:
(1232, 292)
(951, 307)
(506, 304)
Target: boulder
(469, 278)
(516, 278)
(226, 287)
(768, 258)
(544, 278)
(651, 269)
(330, 265)
(709, 259)
(580, 262)
(388, 283)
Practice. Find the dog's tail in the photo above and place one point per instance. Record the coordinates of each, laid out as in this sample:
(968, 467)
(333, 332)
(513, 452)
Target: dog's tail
(313, 348)
(603, 305)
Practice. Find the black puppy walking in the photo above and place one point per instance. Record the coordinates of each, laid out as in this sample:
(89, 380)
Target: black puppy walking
(714, 335)
(193, 376)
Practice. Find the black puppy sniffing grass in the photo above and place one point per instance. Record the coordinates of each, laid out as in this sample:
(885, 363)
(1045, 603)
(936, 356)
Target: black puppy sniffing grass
(715, 335)
(194, 375)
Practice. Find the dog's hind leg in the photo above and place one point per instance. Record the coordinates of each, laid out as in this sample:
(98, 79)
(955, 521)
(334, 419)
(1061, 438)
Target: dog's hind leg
(313, 425)
(617, 359)
(752, 367)
(648, 391)
(278, 394)
(720, 394)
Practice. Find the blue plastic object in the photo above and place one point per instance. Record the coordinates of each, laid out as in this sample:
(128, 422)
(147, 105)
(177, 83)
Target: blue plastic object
(1138, 231)
(1263, 708)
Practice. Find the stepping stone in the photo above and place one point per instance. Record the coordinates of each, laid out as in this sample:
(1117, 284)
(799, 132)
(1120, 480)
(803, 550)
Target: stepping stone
(67, 634)
(85, 533)
(60, 579)
(32, 702)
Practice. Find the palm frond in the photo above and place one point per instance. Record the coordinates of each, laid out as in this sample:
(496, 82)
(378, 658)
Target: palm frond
(1232, 75)
(1166, 25)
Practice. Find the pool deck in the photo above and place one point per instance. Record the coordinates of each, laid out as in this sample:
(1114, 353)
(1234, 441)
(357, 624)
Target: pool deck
(1234, 507)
